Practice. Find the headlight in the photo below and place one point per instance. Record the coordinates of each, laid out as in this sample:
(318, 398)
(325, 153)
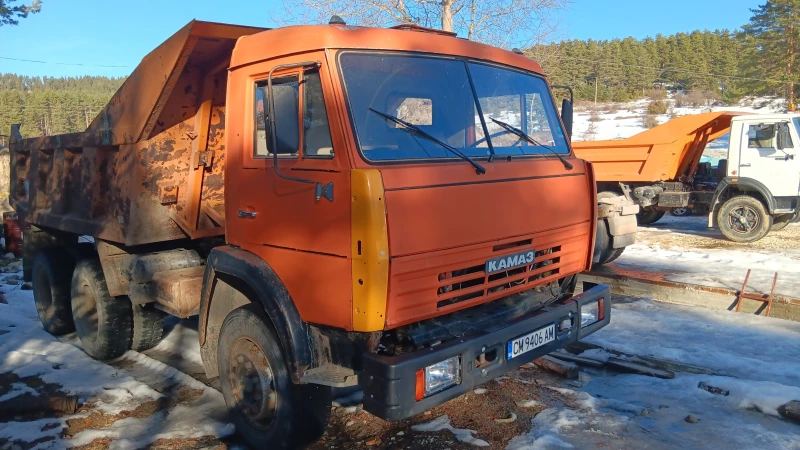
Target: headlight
(438, 377)
(592, 312)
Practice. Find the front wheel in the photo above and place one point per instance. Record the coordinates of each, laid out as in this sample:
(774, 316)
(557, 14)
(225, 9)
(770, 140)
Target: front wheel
(744, 219)
(269, 411)
(648, 215)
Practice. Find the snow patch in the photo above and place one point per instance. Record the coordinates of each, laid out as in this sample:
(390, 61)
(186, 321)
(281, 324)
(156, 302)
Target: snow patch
(18, 389)
(443, 423)
(202, 417)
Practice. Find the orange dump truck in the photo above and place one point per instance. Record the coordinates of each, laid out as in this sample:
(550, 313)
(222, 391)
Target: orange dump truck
(332, 203)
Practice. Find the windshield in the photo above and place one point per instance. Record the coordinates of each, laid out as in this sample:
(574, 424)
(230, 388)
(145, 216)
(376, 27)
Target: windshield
(436, 96)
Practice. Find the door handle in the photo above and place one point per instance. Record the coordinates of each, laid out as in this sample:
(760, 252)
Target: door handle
(247, 214)
(744, 165)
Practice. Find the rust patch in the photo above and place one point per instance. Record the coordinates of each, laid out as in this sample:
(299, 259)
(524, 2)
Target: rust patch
(169, 195)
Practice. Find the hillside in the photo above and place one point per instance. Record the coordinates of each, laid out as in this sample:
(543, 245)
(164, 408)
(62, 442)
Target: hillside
(47, 106)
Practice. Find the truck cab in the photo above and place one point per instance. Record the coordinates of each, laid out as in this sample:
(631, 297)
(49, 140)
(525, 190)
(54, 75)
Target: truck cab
(394, 209)
(760, 187)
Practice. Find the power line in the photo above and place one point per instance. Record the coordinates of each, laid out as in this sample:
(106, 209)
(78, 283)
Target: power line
(61, 63)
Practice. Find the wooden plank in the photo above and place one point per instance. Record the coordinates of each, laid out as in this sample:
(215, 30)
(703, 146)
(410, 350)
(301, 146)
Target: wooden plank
(790, 411)
(563, 368)
(641, 369)
(569, 357)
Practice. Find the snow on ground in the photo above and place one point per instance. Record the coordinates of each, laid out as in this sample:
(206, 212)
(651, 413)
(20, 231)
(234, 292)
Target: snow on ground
(623, 120)
(27, 350)
(634, 411)
(685, 250)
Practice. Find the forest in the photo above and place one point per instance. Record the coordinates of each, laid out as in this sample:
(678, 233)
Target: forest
(48, 106)
(709, 64)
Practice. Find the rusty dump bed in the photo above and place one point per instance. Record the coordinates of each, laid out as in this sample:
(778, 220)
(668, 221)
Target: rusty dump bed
(662, 153)
(149, 168)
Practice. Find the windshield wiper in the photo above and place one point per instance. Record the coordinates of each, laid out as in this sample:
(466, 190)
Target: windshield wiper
(411, 128)
(521, 134)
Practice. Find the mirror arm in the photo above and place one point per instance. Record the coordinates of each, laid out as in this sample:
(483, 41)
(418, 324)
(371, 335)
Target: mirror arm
(320, 190)
(571, 94)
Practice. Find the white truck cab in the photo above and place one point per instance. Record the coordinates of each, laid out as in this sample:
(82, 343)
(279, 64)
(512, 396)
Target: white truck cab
(761, 187)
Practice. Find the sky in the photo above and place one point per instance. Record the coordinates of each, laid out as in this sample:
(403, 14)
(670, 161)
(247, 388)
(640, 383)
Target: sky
(86, 35)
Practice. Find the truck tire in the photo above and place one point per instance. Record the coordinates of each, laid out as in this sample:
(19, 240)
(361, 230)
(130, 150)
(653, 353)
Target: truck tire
(269, 411)
(148, 327)
(648, 215)
(681, 212)
(104, 323)
(51, 278)
(780, 222)
(611, 255)
(744, 219)
(602, 245)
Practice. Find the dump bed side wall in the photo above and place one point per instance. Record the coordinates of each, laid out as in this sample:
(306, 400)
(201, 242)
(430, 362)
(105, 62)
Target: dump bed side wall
(663, 153)
(160, 183)
(125, 193)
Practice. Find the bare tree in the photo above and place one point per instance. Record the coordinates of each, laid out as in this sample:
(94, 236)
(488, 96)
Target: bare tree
(502, 23)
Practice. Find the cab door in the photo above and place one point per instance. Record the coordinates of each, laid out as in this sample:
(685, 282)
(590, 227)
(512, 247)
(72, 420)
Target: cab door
(760, 159)
(305, 239)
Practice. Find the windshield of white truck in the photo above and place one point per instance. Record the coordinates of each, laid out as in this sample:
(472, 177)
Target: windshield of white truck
(436, 96)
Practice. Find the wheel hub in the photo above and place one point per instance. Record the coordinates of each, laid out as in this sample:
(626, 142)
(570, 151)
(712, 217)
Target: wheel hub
(253, 383)
(743, 219)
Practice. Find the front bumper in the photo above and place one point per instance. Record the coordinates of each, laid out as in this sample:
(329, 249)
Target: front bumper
(389, 381)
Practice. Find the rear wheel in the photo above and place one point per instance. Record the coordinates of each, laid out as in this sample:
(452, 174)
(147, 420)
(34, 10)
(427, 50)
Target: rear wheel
(148, 327)
(51, 279)
(649, 215)
(780, 222)
(744, 219)
(681, 212)
(269, 411)
(104, 323)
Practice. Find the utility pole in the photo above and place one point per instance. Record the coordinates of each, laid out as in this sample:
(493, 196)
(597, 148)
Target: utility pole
(595, 89)
(86, 116)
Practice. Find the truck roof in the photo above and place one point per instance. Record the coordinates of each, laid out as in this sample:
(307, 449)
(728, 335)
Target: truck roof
(771, 116)
(302, 38)
(147, 100)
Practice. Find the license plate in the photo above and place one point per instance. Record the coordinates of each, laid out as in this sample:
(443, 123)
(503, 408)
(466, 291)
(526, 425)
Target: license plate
(524, 344)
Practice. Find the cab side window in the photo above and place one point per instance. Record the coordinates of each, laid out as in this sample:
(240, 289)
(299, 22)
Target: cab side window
(316, 132)
(761, 136)
(286, 92)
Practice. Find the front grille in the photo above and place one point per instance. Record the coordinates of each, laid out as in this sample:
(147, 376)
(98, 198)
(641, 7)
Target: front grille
(472, 282)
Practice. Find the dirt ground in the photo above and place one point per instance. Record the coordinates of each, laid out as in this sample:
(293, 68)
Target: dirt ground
(350, 427)
(693, 232)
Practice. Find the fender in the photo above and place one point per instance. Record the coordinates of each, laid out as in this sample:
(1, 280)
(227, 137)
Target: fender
(250, 269)
(750, 184)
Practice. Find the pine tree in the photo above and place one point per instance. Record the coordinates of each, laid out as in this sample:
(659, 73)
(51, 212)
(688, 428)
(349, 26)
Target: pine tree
(774, 36)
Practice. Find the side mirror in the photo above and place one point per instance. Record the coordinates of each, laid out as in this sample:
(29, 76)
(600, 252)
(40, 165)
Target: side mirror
(566, 116)
(566, 109)
(781, 135)
(285, 121)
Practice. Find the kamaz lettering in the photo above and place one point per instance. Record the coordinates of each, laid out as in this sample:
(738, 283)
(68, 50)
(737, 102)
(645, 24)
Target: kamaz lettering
(507, 262)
